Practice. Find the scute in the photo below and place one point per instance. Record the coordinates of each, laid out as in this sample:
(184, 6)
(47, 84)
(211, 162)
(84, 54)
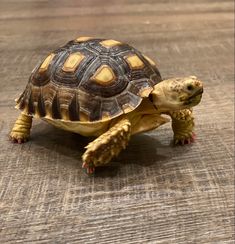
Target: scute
(110, 43)
(134, 62)
(46, 63)
(72, 62)
(88, 80)
(104, 75)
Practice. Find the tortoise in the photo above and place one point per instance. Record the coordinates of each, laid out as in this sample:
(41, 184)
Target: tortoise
(106, 89)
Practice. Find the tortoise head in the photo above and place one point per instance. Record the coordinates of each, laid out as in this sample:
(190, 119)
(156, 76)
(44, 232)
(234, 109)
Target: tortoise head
(177, 93)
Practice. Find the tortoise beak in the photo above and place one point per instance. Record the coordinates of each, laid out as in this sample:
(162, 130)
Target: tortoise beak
(195, 98)
(198, 92)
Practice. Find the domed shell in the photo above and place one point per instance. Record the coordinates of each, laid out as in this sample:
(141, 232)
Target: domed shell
(89, 80)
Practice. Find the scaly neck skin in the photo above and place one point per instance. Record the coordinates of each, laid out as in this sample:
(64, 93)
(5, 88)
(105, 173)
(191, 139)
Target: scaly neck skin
(144, 118)
(160, 99)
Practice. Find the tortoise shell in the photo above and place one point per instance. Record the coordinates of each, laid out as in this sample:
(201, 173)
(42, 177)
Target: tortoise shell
(89, 80)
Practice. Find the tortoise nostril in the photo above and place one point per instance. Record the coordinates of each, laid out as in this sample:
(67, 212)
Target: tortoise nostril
(198, 83)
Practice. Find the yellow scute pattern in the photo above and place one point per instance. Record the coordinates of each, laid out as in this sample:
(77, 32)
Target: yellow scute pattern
(46, 63)
(83, 38)
(72, 62)
(104, 75)
(110, 43)
(134, 62)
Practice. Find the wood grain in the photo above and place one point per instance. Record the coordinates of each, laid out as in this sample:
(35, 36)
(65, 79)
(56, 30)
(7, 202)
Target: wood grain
(153, 192)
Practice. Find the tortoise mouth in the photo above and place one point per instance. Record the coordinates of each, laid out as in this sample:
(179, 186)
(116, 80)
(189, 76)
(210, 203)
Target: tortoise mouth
(195, 98)
(199, 92)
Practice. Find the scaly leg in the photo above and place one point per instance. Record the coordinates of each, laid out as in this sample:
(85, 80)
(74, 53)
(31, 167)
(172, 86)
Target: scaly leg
(106, 146)
(21, 130)
(183, 125)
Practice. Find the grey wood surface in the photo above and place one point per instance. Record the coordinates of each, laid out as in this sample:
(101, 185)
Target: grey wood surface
(153, 192)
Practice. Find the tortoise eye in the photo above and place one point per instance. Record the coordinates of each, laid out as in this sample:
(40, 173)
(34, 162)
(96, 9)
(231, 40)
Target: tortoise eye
(190, 87)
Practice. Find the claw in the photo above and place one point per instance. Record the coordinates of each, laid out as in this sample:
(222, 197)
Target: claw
(18, 140)
(186, 140)
(89, 168)
(193, 137)
(176, 141)
(84, 165)
(18, 137)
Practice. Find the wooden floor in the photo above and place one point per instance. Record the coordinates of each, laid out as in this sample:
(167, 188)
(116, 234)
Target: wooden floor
(153, 192)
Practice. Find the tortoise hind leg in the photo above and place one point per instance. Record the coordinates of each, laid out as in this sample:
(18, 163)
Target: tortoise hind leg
(21, 130)
(106, 146)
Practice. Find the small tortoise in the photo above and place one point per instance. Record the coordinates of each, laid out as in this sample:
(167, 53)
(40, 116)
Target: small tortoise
(107, 89)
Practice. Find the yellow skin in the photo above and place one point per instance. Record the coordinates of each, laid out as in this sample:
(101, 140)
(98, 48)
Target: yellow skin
(173, 97)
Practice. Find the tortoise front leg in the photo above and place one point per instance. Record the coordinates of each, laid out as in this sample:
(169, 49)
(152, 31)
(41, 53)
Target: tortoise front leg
(106, 146)
(183, 125)
(21, 130)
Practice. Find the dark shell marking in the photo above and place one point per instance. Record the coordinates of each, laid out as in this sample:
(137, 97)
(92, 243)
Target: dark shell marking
(89, 80)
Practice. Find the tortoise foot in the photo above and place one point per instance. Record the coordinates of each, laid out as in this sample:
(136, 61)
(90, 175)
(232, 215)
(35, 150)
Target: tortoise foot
(19, 138)
(184, 140)
(21, 130)
(89, 168)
